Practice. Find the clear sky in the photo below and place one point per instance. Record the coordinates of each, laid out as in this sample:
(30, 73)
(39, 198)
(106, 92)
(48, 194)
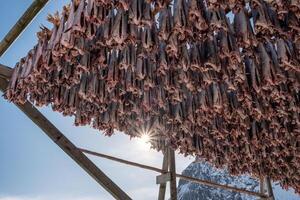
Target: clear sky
(33, 167)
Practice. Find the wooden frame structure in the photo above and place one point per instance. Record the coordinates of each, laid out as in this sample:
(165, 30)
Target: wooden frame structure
(168, 171)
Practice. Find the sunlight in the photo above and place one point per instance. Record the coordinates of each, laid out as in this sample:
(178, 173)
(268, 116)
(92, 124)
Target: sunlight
(145, 138)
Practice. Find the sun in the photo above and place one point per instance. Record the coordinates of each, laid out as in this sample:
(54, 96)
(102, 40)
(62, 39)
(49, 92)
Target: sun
(145, 135)
(145, 138)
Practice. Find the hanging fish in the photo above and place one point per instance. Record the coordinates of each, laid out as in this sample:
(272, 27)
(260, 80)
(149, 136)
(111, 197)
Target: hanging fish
(119, 29)
(267, 72)
(253, 74)
(243, 30)
(180, 10)
(123, 4)
(136, 11)
(165, 24)
(196, 15)
(64, 36)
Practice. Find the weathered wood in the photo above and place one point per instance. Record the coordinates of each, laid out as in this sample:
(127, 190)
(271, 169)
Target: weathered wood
(262, 186)
(172, 167)
(68, 147)
(21, 24)
(122, 161)
(195, 180)
(270, 189)
(227, 187)
(163, 178)
(162, 187)
(3, 84)
(5, 72)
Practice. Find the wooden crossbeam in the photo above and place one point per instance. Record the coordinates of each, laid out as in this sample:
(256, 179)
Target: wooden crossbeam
(21, 24)
(187, 178)
(122, 160)
(66, 145)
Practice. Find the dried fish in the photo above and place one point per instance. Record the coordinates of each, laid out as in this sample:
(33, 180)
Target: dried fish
(226, 92)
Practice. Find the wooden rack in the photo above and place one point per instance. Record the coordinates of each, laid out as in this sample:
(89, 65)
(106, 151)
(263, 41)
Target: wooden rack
(168, 170)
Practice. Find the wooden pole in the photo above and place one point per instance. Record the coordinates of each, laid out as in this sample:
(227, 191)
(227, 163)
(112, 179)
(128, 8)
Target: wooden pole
(5, 72)
(172, 166)
(191, 179)
(227, 187)
(68, 147)
(270, 189)
(162, 187)
(123, 161)
(262, 186)
(21, 24)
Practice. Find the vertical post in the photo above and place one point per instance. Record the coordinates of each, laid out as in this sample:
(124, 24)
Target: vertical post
(266, 188)
(270, 189)
(173, 186)
(262, 186)
(165, 166)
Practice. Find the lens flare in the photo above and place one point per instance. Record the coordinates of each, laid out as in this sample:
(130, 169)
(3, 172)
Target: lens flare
(145, 138)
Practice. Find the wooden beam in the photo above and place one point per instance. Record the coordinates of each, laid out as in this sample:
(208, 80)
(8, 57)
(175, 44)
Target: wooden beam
(217, 185)
(5, 72)
(21, 24)
(163, 178)
(262, 186)
(270, 189)
(122, 161)
(162, 187)
(191, 179)
(69, 148)
(172, 167)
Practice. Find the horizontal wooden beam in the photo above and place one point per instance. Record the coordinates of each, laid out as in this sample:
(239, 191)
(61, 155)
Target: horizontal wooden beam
(21, 24)
(187, 178)
(123, 161)
(69, 148)
(217, 185)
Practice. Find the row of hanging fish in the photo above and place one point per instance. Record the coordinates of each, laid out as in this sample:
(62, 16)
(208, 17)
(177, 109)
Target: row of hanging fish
(215, 79)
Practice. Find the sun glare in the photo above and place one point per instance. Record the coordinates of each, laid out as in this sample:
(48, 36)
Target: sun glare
(145, 138)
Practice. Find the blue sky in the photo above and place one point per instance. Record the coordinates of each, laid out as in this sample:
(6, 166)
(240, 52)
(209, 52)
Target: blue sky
(33, 167)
